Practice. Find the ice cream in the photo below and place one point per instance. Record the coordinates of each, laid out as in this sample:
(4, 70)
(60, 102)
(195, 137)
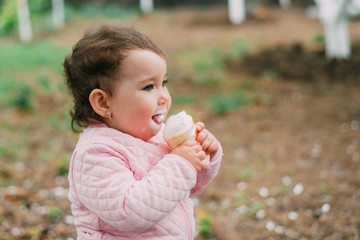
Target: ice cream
(179, 128)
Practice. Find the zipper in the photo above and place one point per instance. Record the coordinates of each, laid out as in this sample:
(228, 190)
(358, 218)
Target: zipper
(187, 220)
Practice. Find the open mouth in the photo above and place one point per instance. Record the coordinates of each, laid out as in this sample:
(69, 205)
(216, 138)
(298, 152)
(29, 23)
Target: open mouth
(159, 116)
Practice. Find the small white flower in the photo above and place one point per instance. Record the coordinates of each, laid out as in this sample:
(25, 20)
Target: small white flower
(260, 214)
(354, 125)
(241, 186)
(280, 229)
(242, 209)
(325, 208)
(15, 232)
(270, 225)
(13, 190)
(60, 192)
(270, 202)
(286, 181)
(298, 189)
(60, 180)
(264, 192)
(195, 201)
(69, 219)
(293, 216)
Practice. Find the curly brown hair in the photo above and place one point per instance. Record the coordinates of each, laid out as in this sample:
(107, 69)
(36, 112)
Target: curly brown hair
(93, 63)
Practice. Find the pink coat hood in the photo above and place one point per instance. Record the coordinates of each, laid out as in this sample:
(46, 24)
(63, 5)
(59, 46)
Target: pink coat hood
(124, 188)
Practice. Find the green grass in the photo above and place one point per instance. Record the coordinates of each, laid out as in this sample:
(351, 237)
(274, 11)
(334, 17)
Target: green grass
(184, 99)
(209, 67)
(239, 48)
(27, 67)
(15, 93)
(223, 104)
(205, 227)
(16, 57)
(109, 11)
(318, 39)
(41, 14)
(55, 213)
(243, 198)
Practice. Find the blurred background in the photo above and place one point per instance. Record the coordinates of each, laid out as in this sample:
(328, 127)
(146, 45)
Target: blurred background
(277, 82)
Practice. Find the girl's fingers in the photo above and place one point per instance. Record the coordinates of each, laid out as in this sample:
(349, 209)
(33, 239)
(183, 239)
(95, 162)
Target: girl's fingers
(202, 135)
(190, 142)
(206, 144)
(213, 147)
(203, 165)
(201, 155)
(199, 126)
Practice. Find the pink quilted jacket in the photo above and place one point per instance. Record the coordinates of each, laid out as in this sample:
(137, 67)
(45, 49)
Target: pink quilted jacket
(124, 188)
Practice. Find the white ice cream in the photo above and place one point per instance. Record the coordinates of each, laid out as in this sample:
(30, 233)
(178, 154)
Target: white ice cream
(179, 128)
(177, 124)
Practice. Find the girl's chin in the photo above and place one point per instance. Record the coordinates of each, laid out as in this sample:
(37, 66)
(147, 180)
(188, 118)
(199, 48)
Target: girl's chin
(155, 127)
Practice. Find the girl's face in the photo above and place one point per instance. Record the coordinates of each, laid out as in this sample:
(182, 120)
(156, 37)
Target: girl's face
(140, 100)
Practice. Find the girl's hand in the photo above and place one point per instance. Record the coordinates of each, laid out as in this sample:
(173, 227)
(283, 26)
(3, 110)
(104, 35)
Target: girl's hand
(207, 141)
(192, 152)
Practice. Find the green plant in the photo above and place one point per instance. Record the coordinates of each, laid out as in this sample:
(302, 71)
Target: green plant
(323, 187)
(183, 99)
(43, 82)
(55, 213)
(34, 233)
(112, 11)
(18, 57)
(246, 172)
(242, 198)
(209, 67)
(286, 189)
(318, 38)
(63, 166)
(270, 74)
(225, 103)
(22, 99)
(8, 17)
(205, 226)
(15, 94)
(254, 207)
(239, 48)
(8, 14)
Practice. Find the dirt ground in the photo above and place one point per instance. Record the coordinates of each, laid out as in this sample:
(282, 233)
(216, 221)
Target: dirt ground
(292, 157)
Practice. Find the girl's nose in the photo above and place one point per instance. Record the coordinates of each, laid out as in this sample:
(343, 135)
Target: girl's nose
(164, 96)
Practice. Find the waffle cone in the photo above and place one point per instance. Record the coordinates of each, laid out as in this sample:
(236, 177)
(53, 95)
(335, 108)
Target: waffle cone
(175, 141)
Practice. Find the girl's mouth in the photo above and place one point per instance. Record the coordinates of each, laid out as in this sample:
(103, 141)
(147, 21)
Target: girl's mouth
(158, 118)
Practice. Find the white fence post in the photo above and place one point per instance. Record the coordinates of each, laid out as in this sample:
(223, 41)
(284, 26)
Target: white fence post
(146, 6)
(58, 13)
(23, 15)
(333, 15)
(237, 11)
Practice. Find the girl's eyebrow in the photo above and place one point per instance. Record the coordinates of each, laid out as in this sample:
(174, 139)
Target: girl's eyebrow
(152, 79)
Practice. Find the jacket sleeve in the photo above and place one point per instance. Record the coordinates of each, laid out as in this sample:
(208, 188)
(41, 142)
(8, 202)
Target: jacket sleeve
(206, 176)
(107, 187)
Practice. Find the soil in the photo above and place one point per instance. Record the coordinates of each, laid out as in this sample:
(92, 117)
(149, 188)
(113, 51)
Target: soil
(292, 157)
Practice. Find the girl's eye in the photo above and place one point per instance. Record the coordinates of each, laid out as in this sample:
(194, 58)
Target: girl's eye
(148, 87)
(164, 82)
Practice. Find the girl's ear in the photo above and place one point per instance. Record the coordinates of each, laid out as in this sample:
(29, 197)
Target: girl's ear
(98, 100)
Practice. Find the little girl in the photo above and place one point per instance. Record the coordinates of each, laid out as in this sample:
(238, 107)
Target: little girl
(125, 182)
